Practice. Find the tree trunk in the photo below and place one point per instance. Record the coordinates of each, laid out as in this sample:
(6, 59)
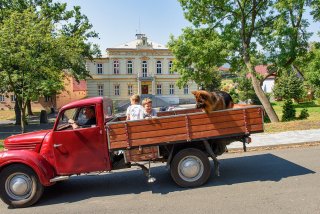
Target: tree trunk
(23, 116)
(29, 108)
(259, 92)
(17, 113)
(264, 100)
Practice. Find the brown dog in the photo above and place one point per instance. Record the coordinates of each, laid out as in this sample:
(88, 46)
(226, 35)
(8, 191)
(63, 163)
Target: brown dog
(212, 101)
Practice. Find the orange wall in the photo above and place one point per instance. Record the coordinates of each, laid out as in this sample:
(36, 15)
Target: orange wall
(65, 97)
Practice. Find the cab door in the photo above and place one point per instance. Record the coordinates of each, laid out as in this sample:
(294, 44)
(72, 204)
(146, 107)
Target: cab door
(78, 150)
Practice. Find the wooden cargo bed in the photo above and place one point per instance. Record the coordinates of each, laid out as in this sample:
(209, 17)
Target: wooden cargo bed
(185, 125)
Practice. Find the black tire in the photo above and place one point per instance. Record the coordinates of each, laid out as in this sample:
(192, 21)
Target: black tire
(190, 168)
(19, 186)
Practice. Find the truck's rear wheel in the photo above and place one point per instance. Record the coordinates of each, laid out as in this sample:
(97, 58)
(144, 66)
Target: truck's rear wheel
(19, 186)
(190, 168)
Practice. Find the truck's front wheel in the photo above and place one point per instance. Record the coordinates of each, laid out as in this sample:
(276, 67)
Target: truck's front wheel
(190, 168)
(19, 186)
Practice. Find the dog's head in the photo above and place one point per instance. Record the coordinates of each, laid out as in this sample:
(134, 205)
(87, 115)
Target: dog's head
(203, 99)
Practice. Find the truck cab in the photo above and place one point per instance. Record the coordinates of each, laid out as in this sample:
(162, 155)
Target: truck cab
(33, 160)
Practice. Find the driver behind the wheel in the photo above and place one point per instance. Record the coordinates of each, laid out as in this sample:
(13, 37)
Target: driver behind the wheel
(90, 116)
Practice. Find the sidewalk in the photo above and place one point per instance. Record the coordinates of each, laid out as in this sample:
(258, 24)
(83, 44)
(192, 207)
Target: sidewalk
(280, 139)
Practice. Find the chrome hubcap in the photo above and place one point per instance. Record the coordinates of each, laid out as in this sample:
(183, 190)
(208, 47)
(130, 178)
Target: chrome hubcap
(190, 168)
(18, 186)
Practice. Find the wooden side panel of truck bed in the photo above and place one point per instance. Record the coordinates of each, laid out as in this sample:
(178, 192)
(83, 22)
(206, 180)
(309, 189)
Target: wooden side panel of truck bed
(185, 126)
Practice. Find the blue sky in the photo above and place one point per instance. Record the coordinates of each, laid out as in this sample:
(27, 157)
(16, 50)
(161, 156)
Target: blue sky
(117, 21)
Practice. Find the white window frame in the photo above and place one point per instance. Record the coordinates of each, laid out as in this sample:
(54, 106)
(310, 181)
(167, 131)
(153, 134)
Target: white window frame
(186, 89)
(130, 90)
(144, 67)
(99, 68)
(116, 67)
(159, 89)
(170, 66)
(87, 66)
(100, 89)
(13, 98)
(129, 67)
(159, 67)
(47, 99)
(117, 90)
(1, 98)
(171, 89)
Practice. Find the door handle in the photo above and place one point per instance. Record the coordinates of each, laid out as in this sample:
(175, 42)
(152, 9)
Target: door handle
(57, 145)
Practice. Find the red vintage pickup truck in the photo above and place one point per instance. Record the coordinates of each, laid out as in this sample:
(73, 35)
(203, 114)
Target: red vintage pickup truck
(184, 139)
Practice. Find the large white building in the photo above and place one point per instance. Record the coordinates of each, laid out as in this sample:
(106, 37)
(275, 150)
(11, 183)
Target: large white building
(137, 67)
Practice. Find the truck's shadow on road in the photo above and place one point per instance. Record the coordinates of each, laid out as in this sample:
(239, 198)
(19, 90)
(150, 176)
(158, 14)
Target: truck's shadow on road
(265, 167)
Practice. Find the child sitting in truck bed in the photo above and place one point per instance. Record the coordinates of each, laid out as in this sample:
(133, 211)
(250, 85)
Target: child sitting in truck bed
(149, 112)
(135, 110)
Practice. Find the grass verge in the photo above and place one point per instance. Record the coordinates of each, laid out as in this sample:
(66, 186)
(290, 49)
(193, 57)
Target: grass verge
(1, 145)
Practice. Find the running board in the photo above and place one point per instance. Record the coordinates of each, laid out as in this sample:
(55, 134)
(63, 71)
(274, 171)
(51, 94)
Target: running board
(59, 178)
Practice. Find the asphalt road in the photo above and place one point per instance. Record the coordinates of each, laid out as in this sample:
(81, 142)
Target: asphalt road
(273, 181)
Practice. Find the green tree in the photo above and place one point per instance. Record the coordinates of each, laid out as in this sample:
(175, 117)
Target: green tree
(310, 63)
(38, 45)
(245, 89)
(198, 54)
(254, 26)
(288, 111)
(289, 86)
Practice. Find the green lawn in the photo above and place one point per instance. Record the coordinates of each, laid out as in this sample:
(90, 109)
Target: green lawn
(312, 122)
(7, 115)
(10, 115)
(1, 145)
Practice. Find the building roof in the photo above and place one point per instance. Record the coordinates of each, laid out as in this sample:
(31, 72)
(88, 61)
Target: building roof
(141, 42)
(81, 86)
(262, 69)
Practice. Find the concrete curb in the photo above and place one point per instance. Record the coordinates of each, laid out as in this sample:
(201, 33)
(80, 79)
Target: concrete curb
(272, 147)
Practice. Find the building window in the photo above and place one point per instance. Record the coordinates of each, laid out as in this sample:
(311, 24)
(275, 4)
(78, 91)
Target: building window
(87, 66)
(99, 68)
(170, 67)
(130, 90)
(171, 89)
(117, 90)
(116, 67)
(144, 69)
(159, 89)
(13, 98)
(47, 99)
(186, 89)
(1, 98)
(159, 67)
(100, 90)
(129, 67)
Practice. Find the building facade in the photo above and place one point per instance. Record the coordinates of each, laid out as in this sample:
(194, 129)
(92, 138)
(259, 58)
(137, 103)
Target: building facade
(138, 67)
(73, 90)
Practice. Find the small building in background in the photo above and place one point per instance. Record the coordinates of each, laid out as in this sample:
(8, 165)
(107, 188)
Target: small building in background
(72, 91)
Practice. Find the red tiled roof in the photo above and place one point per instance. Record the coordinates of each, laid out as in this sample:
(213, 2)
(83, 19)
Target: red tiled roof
(262, 69)
(81, 86)
(223, 69)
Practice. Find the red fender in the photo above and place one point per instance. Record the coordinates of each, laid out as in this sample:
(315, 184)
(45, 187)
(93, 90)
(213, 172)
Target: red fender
(32, 159)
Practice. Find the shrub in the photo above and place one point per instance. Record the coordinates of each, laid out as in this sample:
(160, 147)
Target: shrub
(289, 86)
(303, 114)
(289, 113)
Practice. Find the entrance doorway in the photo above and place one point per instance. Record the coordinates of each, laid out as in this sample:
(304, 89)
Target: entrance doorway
(144, 89)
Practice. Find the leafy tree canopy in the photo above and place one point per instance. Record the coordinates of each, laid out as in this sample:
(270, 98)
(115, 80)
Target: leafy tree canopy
(199, 53)
(39, 42)
(269, 32)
